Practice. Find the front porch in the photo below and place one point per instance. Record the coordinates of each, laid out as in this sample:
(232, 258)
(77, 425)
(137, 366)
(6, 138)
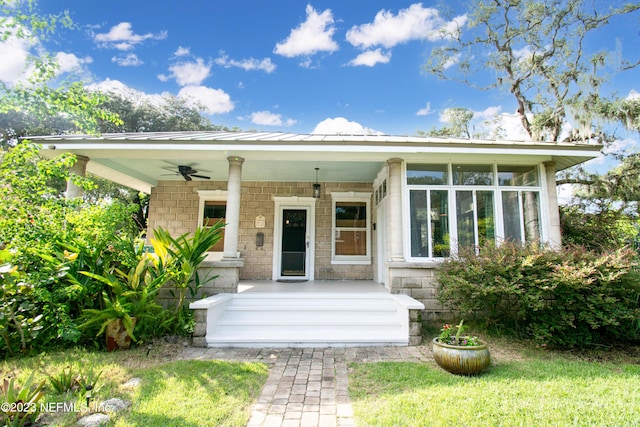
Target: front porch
(307, 314)
(318, 286)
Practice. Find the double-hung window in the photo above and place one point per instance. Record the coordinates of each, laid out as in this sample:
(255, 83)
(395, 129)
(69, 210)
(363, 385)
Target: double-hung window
(213, 208)
(351, 243)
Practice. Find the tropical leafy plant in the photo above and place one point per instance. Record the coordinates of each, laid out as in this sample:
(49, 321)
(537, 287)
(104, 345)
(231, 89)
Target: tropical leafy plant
(178, 259)
(20, 320)
(130, 295)
(21, 404)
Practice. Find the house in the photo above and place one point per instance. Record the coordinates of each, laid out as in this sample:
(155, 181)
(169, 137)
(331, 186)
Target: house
(306, 210)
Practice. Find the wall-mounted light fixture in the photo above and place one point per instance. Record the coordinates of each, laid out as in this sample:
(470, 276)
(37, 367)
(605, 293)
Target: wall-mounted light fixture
(316, 187)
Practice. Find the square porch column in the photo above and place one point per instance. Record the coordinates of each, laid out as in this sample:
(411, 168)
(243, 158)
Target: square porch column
(395, 210)
(555, 237)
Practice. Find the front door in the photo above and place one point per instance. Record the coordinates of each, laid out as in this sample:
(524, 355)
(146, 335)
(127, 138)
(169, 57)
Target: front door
(294, 238)
(293, 258)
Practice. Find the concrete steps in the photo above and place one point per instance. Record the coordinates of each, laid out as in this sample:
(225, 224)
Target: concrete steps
(295, 319)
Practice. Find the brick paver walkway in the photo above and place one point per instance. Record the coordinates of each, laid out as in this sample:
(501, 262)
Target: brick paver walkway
(307, 387)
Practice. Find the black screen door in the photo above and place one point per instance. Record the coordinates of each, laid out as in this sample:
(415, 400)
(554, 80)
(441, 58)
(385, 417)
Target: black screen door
(294, 242)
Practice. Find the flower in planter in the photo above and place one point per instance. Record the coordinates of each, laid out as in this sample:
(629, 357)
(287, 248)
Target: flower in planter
(452, 335)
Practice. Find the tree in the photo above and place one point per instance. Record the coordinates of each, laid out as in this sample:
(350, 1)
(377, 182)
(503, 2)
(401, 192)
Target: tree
(170, 114)
(458, 119)
(37, 95)
(535, 50)
(459, 126)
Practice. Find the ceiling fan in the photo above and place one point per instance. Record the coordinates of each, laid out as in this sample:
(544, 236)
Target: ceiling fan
(188, 172)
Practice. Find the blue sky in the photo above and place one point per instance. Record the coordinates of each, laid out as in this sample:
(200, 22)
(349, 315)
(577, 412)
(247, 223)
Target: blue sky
(326, 66)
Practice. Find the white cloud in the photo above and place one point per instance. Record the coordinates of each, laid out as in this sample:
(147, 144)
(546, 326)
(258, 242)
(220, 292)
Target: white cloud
(182, 51)
(633, 95)
(212, 101)
(487, 113)
(121, 37)
(119, 88)
(14, 55)
(249, 64)
(266, 118)
(342, 126)
(624, 147)
(371, 58)
(425, 111)
(451, 61)
(523, 53)
(70, 63)
(188, 73)
(412, 23)
(312, 36)
(130, 60)
(512, 127)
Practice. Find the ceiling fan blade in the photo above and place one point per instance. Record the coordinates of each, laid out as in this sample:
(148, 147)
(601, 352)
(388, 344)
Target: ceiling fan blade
(186, 177)
(200, 176)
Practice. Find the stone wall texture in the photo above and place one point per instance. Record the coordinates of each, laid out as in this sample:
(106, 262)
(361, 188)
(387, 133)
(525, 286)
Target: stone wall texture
(174, 206)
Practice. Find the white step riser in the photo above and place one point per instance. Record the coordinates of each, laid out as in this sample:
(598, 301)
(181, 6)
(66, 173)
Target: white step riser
(333, 317)
(301, 319)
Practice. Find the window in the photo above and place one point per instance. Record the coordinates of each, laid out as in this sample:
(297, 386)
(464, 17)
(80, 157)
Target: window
(475, 218)
(429, 223)
(521, 213)
(215, 211)
(427, 174)
(472, 174)
(351, 235)
(213, 208)
(480, 203)
(517, 176)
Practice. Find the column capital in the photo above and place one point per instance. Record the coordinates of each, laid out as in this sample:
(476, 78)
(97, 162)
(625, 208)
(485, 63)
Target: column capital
(235, 159)
(81, 158)
(394, 160)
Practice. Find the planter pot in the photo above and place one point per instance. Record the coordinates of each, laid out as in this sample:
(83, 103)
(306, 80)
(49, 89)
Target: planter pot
(461, 360)
(117, 337)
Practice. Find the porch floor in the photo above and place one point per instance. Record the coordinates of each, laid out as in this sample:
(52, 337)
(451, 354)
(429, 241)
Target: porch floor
(317, 286)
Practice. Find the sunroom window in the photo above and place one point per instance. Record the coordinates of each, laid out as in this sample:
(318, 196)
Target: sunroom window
(465, 205)
(521, 215)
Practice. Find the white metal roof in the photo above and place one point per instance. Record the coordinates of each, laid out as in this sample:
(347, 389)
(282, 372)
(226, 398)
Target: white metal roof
(139, 160)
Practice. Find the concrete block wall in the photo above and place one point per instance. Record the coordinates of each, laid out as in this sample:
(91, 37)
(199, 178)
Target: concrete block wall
(174, 206)
(418, 281)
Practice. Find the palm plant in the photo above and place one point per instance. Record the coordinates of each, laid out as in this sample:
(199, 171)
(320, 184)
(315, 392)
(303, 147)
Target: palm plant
(178, 259)
(131, 295)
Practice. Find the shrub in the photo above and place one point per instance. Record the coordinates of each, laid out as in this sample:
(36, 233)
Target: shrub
(566, 299)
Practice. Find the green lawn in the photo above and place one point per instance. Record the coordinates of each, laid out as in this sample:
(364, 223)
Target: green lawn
(172, 393)
(540, 390)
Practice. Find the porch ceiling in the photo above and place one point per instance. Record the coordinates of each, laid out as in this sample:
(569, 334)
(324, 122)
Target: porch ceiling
(140, 160)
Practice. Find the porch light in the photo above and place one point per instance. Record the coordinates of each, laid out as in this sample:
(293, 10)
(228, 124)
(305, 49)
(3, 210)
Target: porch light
(316, 187)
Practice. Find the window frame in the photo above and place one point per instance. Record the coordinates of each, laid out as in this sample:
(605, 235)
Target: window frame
(453, 189)
(205, 196)
(353, 197)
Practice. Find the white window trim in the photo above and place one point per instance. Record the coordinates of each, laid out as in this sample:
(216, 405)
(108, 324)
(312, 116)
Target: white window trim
(497, 190)
(210, 196)
(350, 196)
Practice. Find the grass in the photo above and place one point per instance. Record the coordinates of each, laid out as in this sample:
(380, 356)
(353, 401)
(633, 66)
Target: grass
(172, 392)
(525, 388)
